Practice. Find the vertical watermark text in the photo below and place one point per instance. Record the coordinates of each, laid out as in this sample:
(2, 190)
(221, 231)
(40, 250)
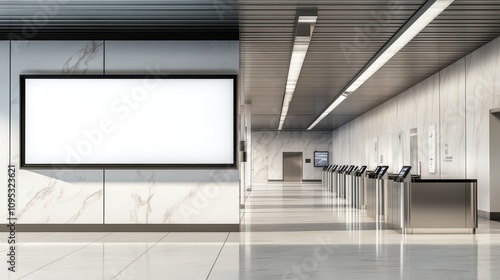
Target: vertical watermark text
(11, 218)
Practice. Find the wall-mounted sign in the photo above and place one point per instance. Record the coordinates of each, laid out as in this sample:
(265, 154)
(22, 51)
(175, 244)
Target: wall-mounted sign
(320, 159)
(448, 159)
(432, 148)
(82, 121)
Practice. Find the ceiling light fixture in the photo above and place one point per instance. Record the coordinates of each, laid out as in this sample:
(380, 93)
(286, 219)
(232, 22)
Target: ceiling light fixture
(425, 15)
(304, 27)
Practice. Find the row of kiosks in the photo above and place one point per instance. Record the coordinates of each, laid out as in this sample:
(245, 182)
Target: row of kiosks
(326, 177)
(417, 205)
(346, 181)
(406, 202)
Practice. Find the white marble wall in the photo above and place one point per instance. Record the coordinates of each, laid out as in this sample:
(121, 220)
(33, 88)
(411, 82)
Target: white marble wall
(83, 196)
(380, 127)
(483, 94)
(260, 155)
(4, 125)
(457, 100)
(268, 148)
(164, 196)
(52, 196)
(452, 110)
(172, 57)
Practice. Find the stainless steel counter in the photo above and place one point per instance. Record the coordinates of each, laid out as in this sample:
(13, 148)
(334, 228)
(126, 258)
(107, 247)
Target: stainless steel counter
(432, 206)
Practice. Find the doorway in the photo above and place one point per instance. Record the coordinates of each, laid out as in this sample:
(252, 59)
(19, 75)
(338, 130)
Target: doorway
(414, 152)
(494, 162)
(292, 167)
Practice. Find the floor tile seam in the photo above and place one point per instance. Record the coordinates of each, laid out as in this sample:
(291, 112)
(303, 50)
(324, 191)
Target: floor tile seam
(218, 255)
(121, 271)
(23, 243)
(242, 216)
(88, 244)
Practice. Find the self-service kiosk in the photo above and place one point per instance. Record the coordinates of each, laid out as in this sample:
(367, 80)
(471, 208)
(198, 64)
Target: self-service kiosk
(341, 184)
(359, 188)
(329, 175)
(349, 184)
(376, 185)
(323, 176)
(336, 179)
(325, 179)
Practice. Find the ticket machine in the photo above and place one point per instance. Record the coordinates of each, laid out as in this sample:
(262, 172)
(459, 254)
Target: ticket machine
(329, 177)
(341, 184)
(349, 185)
(376, 186)
(359, 188)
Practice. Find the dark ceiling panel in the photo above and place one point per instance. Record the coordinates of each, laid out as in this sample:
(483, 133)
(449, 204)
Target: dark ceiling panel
(123, 19)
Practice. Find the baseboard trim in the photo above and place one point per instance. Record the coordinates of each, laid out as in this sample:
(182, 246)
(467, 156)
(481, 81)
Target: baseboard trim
(483, 214)
(305, 181)
(493, 216)
(123, 228)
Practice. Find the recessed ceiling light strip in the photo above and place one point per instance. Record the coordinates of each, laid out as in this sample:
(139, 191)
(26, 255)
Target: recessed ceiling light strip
(425, 15)
(303, 32)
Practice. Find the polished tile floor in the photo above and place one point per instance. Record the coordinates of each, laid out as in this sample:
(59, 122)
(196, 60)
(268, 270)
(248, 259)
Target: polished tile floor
(289, 231)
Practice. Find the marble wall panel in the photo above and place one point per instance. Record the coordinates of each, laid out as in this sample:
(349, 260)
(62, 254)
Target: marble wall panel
(483, 94)
(270, 145)
(172, 197)
(457, 101)
(55, 196)
(172, 192)
(452, 116)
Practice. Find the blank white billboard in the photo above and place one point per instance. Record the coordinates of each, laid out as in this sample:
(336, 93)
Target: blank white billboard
(128, 121)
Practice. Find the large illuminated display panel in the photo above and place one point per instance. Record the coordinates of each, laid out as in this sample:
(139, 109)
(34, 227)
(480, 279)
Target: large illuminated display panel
(128, 121)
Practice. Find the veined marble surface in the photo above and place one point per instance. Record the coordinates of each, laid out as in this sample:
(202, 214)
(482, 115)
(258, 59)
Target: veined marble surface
(75, 196)
(483, 94)
(271, 145)
(60, 197)
(424, 102)
(172, 197)
(452, 115)
(52, 196)
(49, 57)
(260, 152)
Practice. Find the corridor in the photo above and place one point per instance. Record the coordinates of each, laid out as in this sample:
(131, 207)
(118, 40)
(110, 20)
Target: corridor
(289, 231)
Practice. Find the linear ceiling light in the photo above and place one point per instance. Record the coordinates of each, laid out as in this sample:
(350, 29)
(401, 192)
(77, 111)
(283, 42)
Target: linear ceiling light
(303, 31)
(425, 15)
